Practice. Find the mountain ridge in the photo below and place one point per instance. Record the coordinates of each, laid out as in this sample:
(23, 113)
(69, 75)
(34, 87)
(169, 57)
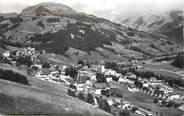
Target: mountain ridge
(169, 24)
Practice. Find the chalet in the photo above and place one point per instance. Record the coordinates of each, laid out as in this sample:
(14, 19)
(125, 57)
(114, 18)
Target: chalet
(130, 76)
(173, 97)
(125, 81)
(109, 79)
(181, 107)
(62, 69)
(6, 54)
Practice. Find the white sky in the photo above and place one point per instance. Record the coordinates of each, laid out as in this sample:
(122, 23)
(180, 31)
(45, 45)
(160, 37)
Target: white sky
(110, 9)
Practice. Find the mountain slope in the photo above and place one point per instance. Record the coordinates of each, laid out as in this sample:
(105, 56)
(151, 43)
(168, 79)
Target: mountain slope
(169, 24)
(80, 36)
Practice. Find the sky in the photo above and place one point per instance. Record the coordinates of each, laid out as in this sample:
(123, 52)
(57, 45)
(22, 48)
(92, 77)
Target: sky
(110, 9)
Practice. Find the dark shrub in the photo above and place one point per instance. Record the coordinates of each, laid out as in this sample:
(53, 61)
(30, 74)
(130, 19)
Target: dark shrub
(106, 106)
(25, 60)
(81, 96)
(124, 113)
(73, 86)
(12, 76)
(100, 78)
(72, 72)
(90, 98)
(41, 24)
(81, 62)
(71, 93)
(170, 104)
(46, 65)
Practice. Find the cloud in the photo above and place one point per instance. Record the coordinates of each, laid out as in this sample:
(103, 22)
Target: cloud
(111, 9)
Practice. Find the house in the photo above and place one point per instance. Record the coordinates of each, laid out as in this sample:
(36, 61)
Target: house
(29, 51)
(179, 100)
(125, 81)
(110, 72)
(181, 107)
(45, 71)
(97, 91)
(62, 69)
(110, 102)
(81, 79)
(174, 97)
(67, 79)
(100, 86)
(130, 76)
(82, 87)
(41, 76)
(39, 66)
(93, 78)
(146, 85)
(98, 68)
(6, 54)
(109, 79)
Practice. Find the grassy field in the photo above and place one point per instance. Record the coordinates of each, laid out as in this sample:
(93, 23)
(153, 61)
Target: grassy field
(146, 101)
(41, 97)
(159, 65)
(163, 69)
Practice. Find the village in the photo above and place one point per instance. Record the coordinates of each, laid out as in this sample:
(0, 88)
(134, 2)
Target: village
(99, 84)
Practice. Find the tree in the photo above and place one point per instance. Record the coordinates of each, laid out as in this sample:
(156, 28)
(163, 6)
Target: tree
(71, 93)
(13, 76)
(134, 108)
(25, 60)
(124, 113)
(100, 78)
(99, 101)
(170, 103)
(81, 62)
(29, 71)
(90, 98)
(155, 100)
(114, 78)
(106, 106)
(73, 86)
(111, 65)
(46, 65)
(138, 84)
(72, 72)
(81, 96)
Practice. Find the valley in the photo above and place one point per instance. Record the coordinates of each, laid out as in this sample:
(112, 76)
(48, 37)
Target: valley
(55, 60)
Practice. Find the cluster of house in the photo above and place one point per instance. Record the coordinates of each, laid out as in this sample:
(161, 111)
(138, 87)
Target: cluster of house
(86, 81)
(12, 56)
(53, 73)
(133, 83)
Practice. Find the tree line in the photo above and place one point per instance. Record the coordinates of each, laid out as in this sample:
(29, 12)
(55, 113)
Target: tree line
(13, 76)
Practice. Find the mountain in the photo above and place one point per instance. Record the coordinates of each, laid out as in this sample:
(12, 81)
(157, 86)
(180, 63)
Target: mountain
(169, 24)
(48, 8)
(68, 35)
